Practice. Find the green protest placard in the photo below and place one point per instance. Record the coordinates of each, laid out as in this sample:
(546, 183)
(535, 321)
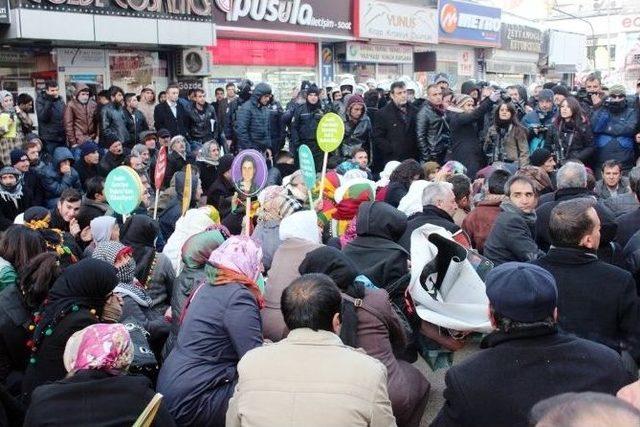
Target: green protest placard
(330, 132)
(123, 190)
(307, 166)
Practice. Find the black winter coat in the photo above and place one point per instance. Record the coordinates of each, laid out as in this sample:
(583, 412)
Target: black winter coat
(50, 113)
(394, 138)
(499, 385)
(203, 125)
(303, 130)
(375, 251)
(14, 321)
(430, 215)
(433, 134)
(107, 400)
(113, 125)
(356, 135)
(9, 210)
(608, 224)
(136, 124)
(466, 146)
(596, 301)
(628, 224)
(575, 141)
(164, 119)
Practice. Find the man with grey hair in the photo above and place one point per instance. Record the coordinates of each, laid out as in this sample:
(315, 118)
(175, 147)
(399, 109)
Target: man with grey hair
(572, 184)
(438, 207)
(584, 409)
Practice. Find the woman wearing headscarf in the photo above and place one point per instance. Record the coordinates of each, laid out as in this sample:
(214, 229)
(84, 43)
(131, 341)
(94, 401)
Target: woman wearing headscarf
(348, 198)
(275, 205)
(153, 270)
(193, 222)
(208, 162)
(137, 305)
(96, 359)
(177, 158)
(195, 254)
(103, 229)
(411, 203)
(17, 304)
(220, 323)
(12, 119)
(383, 182)
(373, 326)
(375, 251)
(300, 234)
(82, 296)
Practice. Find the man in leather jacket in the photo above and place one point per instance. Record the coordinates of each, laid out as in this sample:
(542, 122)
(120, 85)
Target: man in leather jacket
(432, 129)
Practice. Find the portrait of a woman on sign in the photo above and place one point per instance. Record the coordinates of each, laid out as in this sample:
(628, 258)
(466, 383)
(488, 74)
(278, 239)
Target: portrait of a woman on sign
(249, 172)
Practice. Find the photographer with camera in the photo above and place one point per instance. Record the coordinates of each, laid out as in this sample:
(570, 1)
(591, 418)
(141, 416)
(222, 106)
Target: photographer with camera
(539, 122)
(506, 140)
(512, 94)
(591, 96)
(614, 124)
(575, 139)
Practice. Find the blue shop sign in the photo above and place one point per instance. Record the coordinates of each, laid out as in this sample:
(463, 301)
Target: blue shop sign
(468, 24)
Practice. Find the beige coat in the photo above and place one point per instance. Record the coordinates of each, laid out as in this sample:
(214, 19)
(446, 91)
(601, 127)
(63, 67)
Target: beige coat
(310, 379)
(284, 270)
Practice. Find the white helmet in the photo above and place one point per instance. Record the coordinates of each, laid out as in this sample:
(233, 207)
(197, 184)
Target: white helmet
(361, 89)
(371, 83)
(348, 81)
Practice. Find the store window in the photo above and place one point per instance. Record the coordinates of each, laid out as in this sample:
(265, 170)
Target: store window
(135, 70)
(21, 71)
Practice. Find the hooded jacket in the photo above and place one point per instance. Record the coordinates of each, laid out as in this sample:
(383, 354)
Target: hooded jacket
(613, 136)
(80, 120)
(252, 124)
(54, 182)
(375, 251)
(356, 134)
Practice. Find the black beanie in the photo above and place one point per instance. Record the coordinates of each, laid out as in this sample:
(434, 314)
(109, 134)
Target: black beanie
(539, 156)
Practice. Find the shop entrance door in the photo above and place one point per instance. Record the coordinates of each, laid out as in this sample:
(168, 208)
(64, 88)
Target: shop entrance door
(96, 78)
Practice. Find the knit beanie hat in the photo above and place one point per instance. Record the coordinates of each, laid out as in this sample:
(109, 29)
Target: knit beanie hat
(16, 155)
(539, 156)
(461, 99)
(545, 95)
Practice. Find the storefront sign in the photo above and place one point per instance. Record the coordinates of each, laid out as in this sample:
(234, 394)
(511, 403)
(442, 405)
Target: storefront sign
(300, 16)
(521, 38)
(327, 63)
(392, 21)
(5, 17)
(465, 63)
(188, 10)
(258, 52)
(469, 24)
(85, 58)
(381, 54)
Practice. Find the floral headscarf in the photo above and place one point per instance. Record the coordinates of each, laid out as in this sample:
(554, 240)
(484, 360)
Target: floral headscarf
(103, 347)
(237, 260)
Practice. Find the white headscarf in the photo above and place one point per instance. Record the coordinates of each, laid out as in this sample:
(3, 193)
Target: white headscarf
(193, 222)
(101, 228)
(412, 202)
(301, 225)
(386, 173)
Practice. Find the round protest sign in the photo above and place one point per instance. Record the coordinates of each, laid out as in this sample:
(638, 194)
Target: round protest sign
(123, 190)
(249, 172)
(307, 166)
(330, 132)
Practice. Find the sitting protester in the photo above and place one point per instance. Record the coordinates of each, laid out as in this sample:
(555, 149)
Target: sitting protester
(59, 176)
(96, 359)
(15, 198)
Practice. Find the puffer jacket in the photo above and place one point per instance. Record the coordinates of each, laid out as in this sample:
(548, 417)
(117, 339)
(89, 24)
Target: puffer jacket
(508, 145)
(433, 134)
(80, 120)
(276, 127)
(200, 129)
(50, 113)
(356, 134)
(614, 136)
(252, 124)
(113, 124)
(575, 141)
(54, 182)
